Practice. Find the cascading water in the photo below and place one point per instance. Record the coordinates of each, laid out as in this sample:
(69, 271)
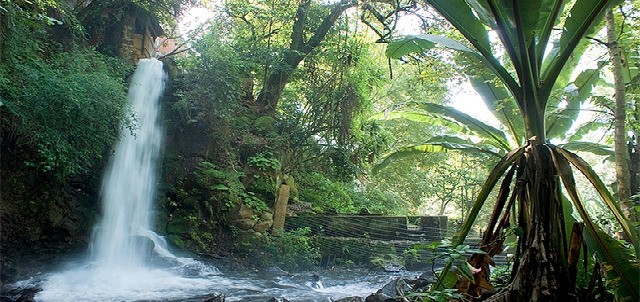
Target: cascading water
(123, 242)
(129, 185)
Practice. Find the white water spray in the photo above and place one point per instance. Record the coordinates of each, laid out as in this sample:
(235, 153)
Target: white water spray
(123, 242)
(129, 185)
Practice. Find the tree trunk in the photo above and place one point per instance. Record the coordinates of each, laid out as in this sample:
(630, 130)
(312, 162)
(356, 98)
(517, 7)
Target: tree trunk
(541, 272)
(623, 175)
(299, 48)
(275, 83)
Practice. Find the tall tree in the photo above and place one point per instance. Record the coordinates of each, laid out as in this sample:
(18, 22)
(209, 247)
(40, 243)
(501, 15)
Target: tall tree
(293, 34)
(623, 175)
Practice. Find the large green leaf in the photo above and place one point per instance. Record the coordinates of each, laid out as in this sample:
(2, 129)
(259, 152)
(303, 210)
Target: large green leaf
(453, 119)
(529, 18)
(621, 268)
(604, 193)
(559, 121)
(587, 128)
(547, 18)
(504, 13)
(491, 134)
(500, 103)
(408, 45)
(461, 144)
(396, 155)
(581, 18)
(423, 117)
(421, 43)
(483, 11)
(442, 143)
(594, 148)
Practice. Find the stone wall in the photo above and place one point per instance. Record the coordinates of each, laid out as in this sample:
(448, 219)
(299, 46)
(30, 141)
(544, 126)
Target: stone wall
(415, 228)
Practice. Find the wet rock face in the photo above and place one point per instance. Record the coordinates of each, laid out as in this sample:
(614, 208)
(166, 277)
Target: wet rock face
(127, 31)
(274, 299)
(17, 294)
(396, 289)
(43, 219)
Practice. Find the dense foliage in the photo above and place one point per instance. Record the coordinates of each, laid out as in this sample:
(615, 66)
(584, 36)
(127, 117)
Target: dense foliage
(270, 95)
(56, 99)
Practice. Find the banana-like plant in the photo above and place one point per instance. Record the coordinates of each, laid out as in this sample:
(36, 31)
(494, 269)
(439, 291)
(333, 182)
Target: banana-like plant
(533, 173)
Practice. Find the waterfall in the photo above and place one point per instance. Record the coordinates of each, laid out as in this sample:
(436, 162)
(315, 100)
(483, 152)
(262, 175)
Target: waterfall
(129, 183)
(119, 269)
(123, 242)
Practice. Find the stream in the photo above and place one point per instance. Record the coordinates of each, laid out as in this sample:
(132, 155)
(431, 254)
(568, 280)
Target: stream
(196, 281)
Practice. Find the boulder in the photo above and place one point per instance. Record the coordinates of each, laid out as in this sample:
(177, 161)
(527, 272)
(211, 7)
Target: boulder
(214, 298)
(266, 216)
(424, 280)
(241, 211)
(395, 288)
(377, 297)
(263, 226)
(28, 294)
(274, 299)
(244, 224)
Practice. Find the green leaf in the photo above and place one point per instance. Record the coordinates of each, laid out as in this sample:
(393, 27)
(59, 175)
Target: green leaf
(463, 18)
(621, 269)
(460, 144)
(561, 121)
(587, 128)
(407, 45)
(466, 270)
(504, 13)
(585, 81)
(421, 43)
(500, 102)
(483, 11)
(476, 251)
(629, 73)
(581, 18)
(602, 190)
(436, 144)
(490, 133)
(594, 148)
(423, 117)
(455, 121)
(595, 180)
(220, 187)
(547, 18)
(394, 156)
